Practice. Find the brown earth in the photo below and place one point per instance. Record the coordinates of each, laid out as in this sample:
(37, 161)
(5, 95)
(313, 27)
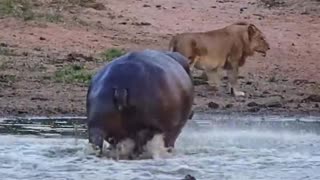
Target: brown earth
(32, 50)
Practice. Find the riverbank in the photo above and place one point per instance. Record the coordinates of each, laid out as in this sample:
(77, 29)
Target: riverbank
(49, 52)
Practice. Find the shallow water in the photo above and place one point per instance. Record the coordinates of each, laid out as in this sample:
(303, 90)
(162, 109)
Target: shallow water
(204, 150)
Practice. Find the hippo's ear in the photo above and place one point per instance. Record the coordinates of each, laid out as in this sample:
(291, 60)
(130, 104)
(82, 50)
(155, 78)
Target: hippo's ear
(183, 61)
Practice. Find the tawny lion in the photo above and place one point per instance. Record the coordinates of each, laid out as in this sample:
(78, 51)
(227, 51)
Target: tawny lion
(221, 49)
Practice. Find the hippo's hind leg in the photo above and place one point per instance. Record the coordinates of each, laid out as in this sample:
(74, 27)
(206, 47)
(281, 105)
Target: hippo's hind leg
(150, 143)
(140, 139)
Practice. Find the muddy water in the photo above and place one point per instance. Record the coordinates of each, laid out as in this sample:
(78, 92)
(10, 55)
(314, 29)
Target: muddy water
(232, 148)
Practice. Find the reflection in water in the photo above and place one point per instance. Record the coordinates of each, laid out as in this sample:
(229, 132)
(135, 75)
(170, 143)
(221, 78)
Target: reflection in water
(206, 152)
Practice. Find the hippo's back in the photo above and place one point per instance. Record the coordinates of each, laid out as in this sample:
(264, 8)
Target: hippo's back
(145, 70)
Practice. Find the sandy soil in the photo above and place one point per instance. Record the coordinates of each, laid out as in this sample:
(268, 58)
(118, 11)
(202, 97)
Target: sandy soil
(286, 81)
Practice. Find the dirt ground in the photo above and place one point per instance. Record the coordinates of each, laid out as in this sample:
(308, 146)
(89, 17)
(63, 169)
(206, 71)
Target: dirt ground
(32, 49)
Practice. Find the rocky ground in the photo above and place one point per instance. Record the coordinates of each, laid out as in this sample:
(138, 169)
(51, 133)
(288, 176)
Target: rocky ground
(49, 49)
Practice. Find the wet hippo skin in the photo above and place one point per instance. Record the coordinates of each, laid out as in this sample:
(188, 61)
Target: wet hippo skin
(138, 95)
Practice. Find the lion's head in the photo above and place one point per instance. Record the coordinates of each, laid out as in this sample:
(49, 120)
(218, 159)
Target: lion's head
(258, 42)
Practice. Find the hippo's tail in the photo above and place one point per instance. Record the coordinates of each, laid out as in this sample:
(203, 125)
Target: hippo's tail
(120, 97)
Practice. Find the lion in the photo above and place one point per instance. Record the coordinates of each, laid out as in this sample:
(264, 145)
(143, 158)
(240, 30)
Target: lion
(221, 49)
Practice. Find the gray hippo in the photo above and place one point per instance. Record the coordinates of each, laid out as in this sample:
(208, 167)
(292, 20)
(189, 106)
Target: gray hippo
(139, 95)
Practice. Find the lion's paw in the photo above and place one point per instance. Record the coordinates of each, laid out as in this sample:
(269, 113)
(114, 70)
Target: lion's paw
(239, 93)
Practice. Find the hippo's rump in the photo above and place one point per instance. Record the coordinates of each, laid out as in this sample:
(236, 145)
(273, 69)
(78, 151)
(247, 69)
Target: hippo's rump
(157, 85)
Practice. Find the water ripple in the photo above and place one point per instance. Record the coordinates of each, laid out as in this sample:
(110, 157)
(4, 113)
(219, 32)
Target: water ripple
(210, 153)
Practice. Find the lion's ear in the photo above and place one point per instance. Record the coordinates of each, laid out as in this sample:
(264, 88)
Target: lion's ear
(251, 31)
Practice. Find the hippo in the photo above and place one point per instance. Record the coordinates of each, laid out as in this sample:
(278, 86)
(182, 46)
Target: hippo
(137, 96)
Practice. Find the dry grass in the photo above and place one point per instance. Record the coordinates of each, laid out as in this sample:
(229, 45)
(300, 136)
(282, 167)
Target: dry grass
(300, 6)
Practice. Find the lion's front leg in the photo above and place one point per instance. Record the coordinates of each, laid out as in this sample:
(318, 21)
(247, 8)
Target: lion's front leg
(233, 81)
(193, 62)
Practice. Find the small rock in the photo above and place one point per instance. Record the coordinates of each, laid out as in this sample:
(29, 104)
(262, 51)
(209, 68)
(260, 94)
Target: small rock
(259, 15)
(158, 6)
(242, 9)
(72, 11)
(248, 83)
(201, 94)
(72, 57)
(213, 7)
(141, 24)
(37, 49)
(22, 112)
(313, 98)
(274, 105)
(4, 44)
(42, 38)
(271, 101)
(213, 105)
(229, 106)
(272, 79)
(302, 81)
(123, 23)
(189, 177)
(25, 53)
(265, 92)
(274, 101)
(146, 5)
(198, 81)
(316, 106)
(252, 104)
(39, 98)
(173, 7)
(254, 109)
(95, 5)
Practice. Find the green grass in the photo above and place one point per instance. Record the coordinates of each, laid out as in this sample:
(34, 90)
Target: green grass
(112, 53)
(73, 74)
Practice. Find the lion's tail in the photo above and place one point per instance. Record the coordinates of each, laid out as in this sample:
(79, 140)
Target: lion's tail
(173, 44)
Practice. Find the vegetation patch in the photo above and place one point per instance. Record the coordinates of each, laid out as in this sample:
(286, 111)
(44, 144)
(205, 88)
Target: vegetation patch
(17, 8)
(5, 51)
(25, 10)
(7, 79)
(300, 6)
(50, 17)
(73, 74)
(273, 3)
(88, 4)
(112, 53)
(3, 64)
